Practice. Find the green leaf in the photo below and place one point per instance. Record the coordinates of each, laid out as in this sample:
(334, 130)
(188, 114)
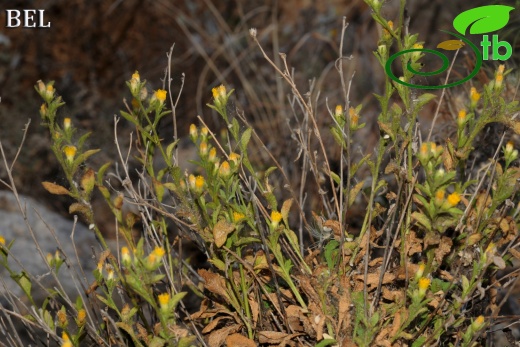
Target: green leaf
(219, 264)
(244, 140)
(327, 342)
(101, 172)
(419, 342)
(187, 341)
(157, 342)
(176, 298)
(483, 19)
(81, 158)
(24, 282)
(169, 149)
(424, 99)
(422, 219)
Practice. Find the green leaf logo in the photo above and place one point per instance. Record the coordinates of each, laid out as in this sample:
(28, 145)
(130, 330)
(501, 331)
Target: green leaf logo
(483, 19)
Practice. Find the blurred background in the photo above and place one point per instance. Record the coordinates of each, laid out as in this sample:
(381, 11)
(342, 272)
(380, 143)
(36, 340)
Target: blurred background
(93, 47)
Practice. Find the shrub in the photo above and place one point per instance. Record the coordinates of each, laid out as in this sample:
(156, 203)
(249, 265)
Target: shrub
(422, 269)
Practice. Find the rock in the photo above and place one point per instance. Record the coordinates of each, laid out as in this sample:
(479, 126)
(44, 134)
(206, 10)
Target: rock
(51, 232)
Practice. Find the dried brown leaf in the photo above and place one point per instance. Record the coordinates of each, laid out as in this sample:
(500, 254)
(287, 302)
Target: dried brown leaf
(214, 283)
(443, 248)
(221, 230)
(276, 337)
(55, 189)
(217, 337)
(255, 309)
(413, 243)
(213, 324)
(237, 340)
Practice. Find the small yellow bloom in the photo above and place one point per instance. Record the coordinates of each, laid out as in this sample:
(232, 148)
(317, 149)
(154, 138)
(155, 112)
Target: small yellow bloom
(62, 318)
(110, 272)
(66, 123)
(478, 323)
(70, 152)
(339, 110)
(461, 119)
(164, 300)
(237, 216)
(160, 94)
(386, 33)
(135, 77)
(2, 240)
(509, 147)
(203, 149)
(43, 110)
(276, 217)
(214, 91)
(454, 198)
(49, 92)
(191, 181)
(224, 170)
(420, 271)
(204, 132)
(212, 155)
(439, 196)
(125, 255)
(194, 133)
(82, 315)
(66, 340)
(159, 251)
(234, 157)
(499, 77)
(199, 183)
(354, 117)
(424, 149)
(474, 95)
(424, 283)
(222, 91)
(50, 259)
(391, 24)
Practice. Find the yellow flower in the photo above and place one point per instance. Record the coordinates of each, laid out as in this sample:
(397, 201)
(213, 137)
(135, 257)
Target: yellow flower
(224, 170)
(509, 147)
(237, 216)
(2, 240)
(191, 181)
(212, 155)
(474, 95)
(276, 217)
(125, 255)
(160, 94)
(499, 77)
(204, 132)
(82, 315)
(420, 271)
(199, 183)
(164, 300)
(416, 55)
(135, 77)
(386, 33)
(424, 149)
(222, 91)
(454, 198)
(424, 283)
(134, 83)
(478, 323)
(66, 340)
(70, 152)
(214, 91)
(194, 133)
(354, 117)
(110, 272)
(159, 251)
(439, 196)
(154, 258)
(43, 110)
(62, 318)
(461, 119)
(203, 148)
(339, 110)
(234, 157)
(66, 123)
(49, 92)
